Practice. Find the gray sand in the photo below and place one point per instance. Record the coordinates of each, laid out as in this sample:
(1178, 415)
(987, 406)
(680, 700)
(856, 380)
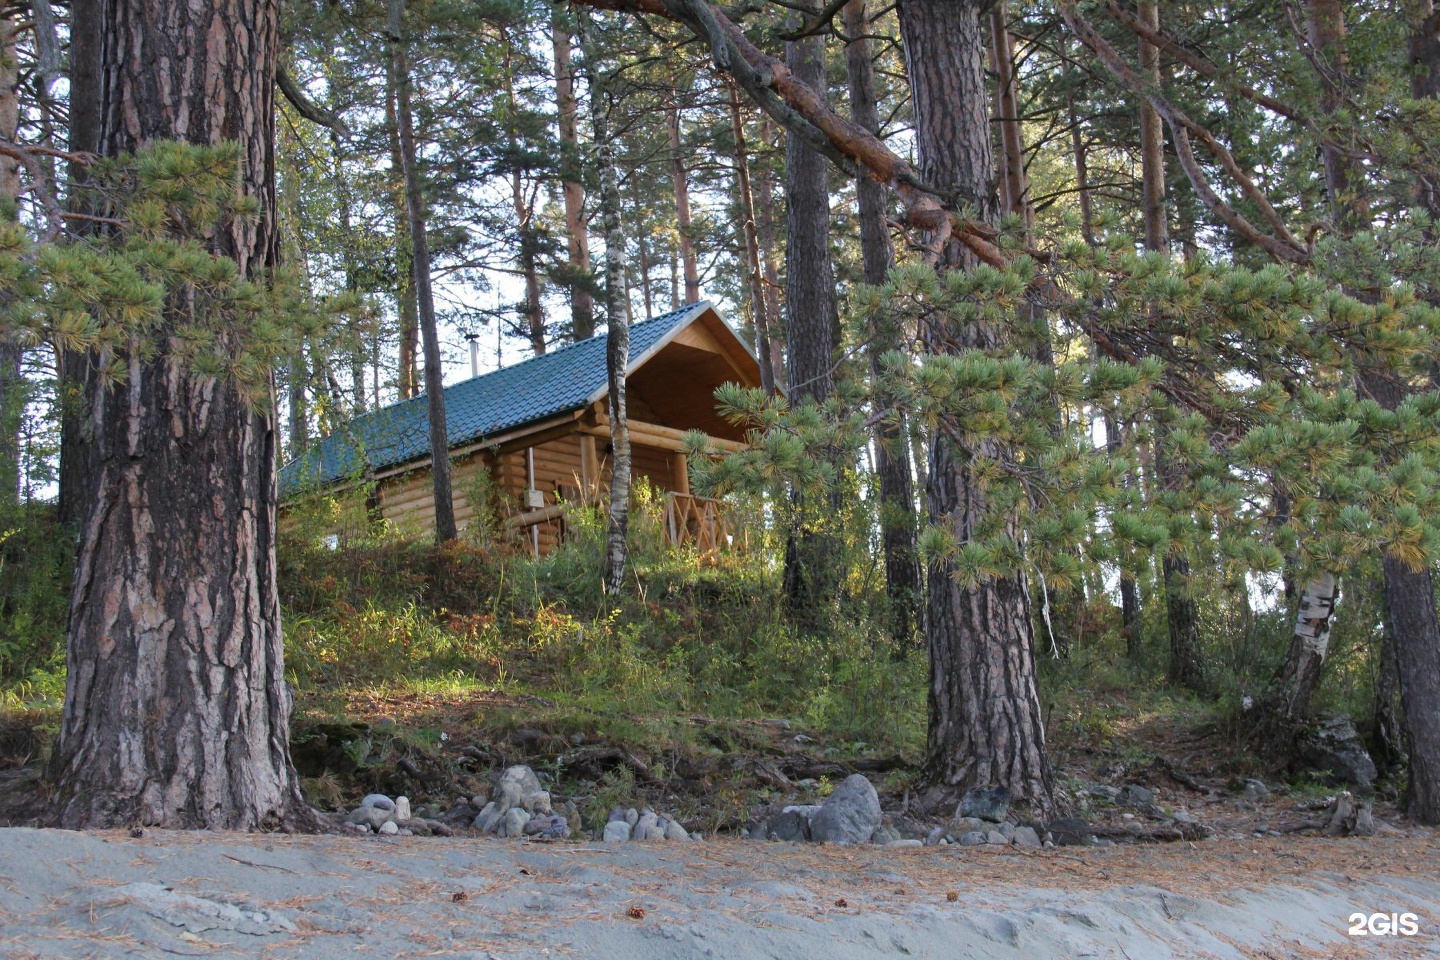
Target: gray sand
(66, 894)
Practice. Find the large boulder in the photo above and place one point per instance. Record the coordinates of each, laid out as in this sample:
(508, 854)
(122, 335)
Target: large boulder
(849, 815)
(1332, 747)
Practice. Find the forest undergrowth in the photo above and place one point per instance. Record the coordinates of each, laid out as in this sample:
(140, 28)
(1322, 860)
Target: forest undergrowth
(422, 670)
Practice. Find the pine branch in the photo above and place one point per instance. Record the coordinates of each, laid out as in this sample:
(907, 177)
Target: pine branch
(1284, 246)
(306, 107)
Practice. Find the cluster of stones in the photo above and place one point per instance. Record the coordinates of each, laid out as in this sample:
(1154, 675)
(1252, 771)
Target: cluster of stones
(981, 820)
(379, 814)
(631, 824)
(851, 815)
(522, 808)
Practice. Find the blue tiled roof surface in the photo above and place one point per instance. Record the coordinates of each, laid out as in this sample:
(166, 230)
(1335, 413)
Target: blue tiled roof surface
(557, 382)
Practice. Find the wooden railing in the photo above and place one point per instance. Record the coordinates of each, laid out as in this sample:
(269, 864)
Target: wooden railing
(698, 521)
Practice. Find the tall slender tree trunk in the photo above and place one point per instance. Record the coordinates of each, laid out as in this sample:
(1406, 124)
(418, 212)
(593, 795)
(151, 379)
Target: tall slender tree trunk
(1129, 594)
(617, 347)
(424, 297)
(407, 309)
(358, 350)
(533, 309)
(78, 467)
(985, 723)
(577, 232)
(680, 178)
(176, 707)
(1152, 141)
(765, 231)
(903, 585)
(12, 384)
(812, 323)
(759, 301)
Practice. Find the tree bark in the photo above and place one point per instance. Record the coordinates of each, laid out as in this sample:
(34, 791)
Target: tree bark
(407, 308)
(812, 331)
(617, 347)
(582, 302)
(1129, 594)
(12, 384)
(77, 465)
(424, 297)
(903, 584)
(765, 231)
(679, 177)
(985, 723)
(759, 301)
(1285, 705)
(176, 707)
(1152, 141)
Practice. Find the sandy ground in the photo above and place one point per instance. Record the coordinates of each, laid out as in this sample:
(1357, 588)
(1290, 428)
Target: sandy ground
(65, 894)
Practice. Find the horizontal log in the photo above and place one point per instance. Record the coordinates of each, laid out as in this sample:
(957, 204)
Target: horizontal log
(654, 433)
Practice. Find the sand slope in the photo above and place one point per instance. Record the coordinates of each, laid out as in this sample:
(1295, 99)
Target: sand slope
(66, 894)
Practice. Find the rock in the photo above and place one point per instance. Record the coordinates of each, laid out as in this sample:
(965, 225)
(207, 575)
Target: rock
(357, 827)
(1026, 837)
(934, 836)
(522, 778)
(617, 815)
(987, 803)
(961, 825)
(439, 828)
(808, 809)
(901, 844)
(371, 817)
(389, 828)
(973, 838)
(632, 817)
(548, 826)
(616, 831)
(537, 802)
(487, 820)
(674, 831)
(849, 815)
(1071, 832)
(1138, 795)
(1255, 790)
(378, 801)
(997, 838)
(884, 835)
(479, 800)
(791, 827)
(1333, 747)
(514, 822)
(460, 815)
(402, 808)
(647, 826)
(1007, 830)
(1101, 791)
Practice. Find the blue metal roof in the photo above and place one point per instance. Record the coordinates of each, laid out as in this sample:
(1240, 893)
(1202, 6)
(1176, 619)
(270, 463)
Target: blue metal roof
(561, 381)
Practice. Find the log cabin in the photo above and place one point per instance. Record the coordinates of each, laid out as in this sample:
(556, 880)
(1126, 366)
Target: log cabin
(540, 431)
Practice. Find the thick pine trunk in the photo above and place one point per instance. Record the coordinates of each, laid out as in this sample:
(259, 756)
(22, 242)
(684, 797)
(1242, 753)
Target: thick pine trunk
(759, 301)
(812, 331)
(903, 584)
(420, 275)
(985, 723)
(617, 347)
(582, 302)
(176, 707)
(680, 179)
